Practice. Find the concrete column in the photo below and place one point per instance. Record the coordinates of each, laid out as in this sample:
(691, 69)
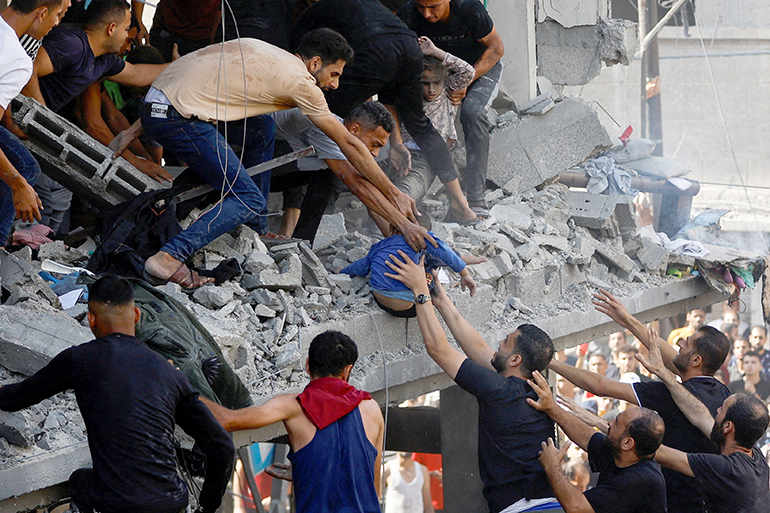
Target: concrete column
(515, 22)
(459, 449)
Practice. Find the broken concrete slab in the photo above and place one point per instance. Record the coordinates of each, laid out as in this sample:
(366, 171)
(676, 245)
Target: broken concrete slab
(76, 160)
(331, 228)
(570, 13)
(590, 210)
(573, 56)
(213, 297)
(29, 339)
(15, 428)
(18, 276)
(541, 147)
(287, 277)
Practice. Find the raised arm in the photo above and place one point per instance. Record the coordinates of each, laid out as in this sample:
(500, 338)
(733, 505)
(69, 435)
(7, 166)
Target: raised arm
(674, 459)
(413, 276)
(577, 430)
(594, 383)
(569, 496)
(695, 411)
(362, 160)
(609, 305)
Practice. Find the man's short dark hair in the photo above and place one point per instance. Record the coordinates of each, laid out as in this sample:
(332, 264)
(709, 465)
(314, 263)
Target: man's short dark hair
(371, 115)
(111, 290)
(145, 54)
(750, 418)
(327, 44)
(104, 12)
(712, 345)
(434, 65)
(627, 349)
(647, 430)
(27, 6)
(330, 352)
(535, 348)
(759, 326)
(752, 353)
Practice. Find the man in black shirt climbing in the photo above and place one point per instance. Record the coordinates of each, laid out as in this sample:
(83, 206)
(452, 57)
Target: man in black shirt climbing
(130, 398)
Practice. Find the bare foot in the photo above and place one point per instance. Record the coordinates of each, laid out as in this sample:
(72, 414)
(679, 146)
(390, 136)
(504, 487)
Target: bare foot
(165, 267)
(472, 259)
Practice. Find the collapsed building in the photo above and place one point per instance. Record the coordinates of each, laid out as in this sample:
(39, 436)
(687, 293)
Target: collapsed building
(548, 248)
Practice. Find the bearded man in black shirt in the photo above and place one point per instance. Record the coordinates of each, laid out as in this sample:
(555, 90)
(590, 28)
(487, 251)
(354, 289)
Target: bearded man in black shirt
(130, 399)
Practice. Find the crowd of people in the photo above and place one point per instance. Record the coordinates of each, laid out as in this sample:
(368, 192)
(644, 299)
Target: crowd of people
(681, 432)
(222, 91)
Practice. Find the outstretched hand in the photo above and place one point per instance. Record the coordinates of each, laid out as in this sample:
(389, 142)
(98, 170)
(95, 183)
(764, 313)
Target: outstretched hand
(545, 401)
(654, 362)
(609, 305)
(550, 456)
(407, 272)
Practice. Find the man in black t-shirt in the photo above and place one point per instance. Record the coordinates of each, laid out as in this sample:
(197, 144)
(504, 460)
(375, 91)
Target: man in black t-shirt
(510, 432)
(130, 399)
(629, 480)
(736, 479)
(465, 29)
(699, 358)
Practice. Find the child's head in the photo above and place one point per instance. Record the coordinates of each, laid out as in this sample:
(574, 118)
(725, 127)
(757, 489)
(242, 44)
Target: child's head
(433, 75)
(142, 55)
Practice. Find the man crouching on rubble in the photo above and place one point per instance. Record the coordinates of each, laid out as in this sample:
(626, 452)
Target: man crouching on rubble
(130, 398)
(335, 431)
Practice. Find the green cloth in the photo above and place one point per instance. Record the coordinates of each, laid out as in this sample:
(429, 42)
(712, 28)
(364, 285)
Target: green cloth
(113, 89)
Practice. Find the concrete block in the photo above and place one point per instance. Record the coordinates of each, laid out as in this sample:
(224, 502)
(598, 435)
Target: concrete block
(30, 339)
(332, 227)
(615, 257)
(511, 215)
(213, 297)
(590, 210)
(653, 257)
(573, 56)
(15, 429)
(541, 147)
(287, 277)
(20, 279)
(342, 281)
(75, 159)
(625, 215)
(535, 287)
(257, 261)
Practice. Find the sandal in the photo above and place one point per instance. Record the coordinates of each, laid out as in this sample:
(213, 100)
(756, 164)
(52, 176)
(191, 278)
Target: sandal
(186, 278)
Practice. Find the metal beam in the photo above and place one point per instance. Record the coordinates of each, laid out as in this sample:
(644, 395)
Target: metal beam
(659, 26)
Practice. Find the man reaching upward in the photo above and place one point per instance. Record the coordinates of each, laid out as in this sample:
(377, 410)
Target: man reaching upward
(510, 432)
(335, 431)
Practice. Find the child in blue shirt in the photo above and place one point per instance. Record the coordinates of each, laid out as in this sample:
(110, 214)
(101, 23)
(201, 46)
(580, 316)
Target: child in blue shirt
(393, 296)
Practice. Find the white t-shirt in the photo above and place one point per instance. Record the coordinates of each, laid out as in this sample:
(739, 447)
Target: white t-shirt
(15, 65)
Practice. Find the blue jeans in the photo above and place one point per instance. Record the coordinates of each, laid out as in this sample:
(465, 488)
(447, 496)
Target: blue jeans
(203, 148)
(26, 165)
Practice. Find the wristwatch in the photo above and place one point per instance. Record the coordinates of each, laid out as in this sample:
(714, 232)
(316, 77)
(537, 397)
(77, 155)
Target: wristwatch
(421, 299)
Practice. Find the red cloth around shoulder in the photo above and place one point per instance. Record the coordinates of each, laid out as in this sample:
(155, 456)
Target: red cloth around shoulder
(326, 400)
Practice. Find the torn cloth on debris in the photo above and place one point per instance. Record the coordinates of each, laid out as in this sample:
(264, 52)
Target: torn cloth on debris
(605, 174)
(326, 400)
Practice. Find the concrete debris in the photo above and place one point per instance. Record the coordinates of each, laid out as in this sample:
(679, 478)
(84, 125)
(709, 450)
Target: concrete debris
(22, 281)
(540, 147)
(573, 56)
(61, 254)
(15, 428)
(331, 229)
(213, 297)
(288, 276)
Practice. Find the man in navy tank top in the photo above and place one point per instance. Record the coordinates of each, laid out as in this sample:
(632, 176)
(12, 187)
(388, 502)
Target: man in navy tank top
(335, 431)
